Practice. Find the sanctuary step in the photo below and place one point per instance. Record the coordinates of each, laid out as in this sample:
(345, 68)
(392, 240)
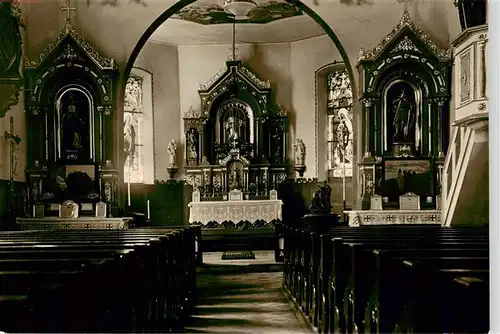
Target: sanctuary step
(264, 262)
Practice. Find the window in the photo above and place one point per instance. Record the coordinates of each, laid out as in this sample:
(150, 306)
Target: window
(138, 128)
(339, 126)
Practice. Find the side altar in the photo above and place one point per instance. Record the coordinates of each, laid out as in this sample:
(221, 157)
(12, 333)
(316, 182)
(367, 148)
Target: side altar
(236, 143)
(405, 90)
(70, 101)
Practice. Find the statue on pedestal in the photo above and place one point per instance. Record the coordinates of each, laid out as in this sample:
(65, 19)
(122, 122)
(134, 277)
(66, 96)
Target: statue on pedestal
(300, 152)
(172, 148)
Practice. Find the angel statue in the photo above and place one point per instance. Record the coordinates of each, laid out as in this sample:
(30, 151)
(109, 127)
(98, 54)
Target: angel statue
(300, 152)
(172, 148)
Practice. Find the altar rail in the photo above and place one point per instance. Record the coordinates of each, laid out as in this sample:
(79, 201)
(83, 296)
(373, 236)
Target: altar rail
(393, 217)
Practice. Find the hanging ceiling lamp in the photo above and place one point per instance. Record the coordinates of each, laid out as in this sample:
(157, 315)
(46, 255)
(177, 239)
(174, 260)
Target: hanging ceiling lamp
(239, 8)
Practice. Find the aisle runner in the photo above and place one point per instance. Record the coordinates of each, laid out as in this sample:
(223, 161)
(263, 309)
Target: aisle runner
(238, 255)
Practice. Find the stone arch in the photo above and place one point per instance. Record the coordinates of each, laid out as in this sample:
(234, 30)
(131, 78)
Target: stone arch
(183, 3)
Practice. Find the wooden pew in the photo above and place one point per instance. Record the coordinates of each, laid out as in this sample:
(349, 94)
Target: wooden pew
(339, 272)
(27, 253)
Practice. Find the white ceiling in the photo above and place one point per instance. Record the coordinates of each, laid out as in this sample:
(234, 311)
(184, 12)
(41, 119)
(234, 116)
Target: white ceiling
(182, 32)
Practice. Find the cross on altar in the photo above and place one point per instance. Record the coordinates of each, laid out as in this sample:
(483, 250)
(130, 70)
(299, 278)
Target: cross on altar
(406, 3)
(68, 9)
(234, 53)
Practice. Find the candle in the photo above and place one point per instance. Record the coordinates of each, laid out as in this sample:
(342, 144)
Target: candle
(128, 193)
(149, 214)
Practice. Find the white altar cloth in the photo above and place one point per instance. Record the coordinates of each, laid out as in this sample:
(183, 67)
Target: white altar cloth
(393, 217)
(235, 211)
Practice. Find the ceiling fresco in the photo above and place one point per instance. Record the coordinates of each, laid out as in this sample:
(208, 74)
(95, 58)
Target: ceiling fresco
(206, 13)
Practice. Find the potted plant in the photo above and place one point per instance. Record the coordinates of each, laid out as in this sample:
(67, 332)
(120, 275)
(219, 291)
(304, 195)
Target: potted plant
(471, 13)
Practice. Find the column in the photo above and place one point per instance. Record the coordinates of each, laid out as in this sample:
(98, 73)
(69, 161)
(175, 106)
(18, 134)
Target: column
(440, 108)
(366, 128)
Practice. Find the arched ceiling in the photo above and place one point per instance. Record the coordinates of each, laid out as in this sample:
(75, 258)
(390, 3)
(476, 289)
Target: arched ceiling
(115, 26)
(273, 21)
(181, 32)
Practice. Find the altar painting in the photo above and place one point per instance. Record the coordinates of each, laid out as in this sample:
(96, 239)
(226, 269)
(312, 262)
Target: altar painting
(403, 176)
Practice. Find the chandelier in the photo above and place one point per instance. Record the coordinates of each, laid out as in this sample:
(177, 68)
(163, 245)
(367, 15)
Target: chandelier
(239, 8)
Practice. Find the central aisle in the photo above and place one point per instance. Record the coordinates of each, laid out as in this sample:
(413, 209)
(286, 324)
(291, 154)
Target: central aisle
(242, 303)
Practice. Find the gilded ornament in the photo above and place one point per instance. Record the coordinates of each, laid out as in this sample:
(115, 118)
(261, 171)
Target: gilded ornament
(69, 30)
(404, 22)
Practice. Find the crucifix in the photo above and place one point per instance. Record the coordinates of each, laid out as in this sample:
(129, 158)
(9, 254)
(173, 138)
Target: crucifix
(406, 3)
(68, 9)
(14, 141)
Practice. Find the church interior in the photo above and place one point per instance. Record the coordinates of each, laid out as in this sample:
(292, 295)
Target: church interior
(245, 166)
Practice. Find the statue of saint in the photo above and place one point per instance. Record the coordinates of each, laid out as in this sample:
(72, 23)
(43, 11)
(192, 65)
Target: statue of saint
(192, 144)
(404, 118)
(172, 148)
(232, 128)
(300, 152)
(72, 127)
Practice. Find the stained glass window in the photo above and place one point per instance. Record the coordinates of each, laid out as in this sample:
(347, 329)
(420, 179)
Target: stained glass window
(133, 129)
(339, 127)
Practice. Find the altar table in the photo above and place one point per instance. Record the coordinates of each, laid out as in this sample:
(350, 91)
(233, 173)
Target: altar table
(81, 223)
(235, 211)
(393, 217)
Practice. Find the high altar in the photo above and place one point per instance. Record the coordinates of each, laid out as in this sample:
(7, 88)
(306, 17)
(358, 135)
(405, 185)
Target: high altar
(405, 94)
(70, 99)
(235, 144)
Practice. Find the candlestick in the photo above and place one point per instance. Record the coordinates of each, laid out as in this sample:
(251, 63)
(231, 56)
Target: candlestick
(128, 193)
(149, 213)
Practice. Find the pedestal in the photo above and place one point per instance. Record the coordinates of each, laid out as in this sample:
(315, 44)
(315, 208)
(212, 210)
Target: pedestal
(172, 170)
(321, 222)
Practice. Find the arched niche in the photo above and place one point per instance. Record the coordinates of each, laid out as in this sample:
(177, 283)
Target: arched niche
(237, 139)
(405, 89)
(237, 113)
(69, 67)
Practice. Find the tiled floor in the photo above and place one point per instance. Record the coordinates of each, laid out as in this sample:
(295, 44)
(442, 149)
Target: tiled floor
(242, 302)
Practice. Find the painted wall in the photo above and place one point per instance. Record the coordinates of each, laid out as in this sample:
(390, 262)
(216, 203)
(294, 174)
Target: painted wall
(307, 56)
(161, 60)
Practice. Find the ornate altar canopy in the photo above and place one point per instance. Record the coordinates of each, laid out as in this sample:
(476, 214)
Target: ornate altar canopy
(237, 140)
(70, 102)
(405, 93)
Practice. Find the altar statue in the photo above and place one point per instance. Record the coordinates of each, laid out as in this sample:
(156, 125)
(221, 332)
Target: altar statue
(233, 125)
(404, 118)
(300, 152)
(72, 127)
(172, 148)
(192, 144)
